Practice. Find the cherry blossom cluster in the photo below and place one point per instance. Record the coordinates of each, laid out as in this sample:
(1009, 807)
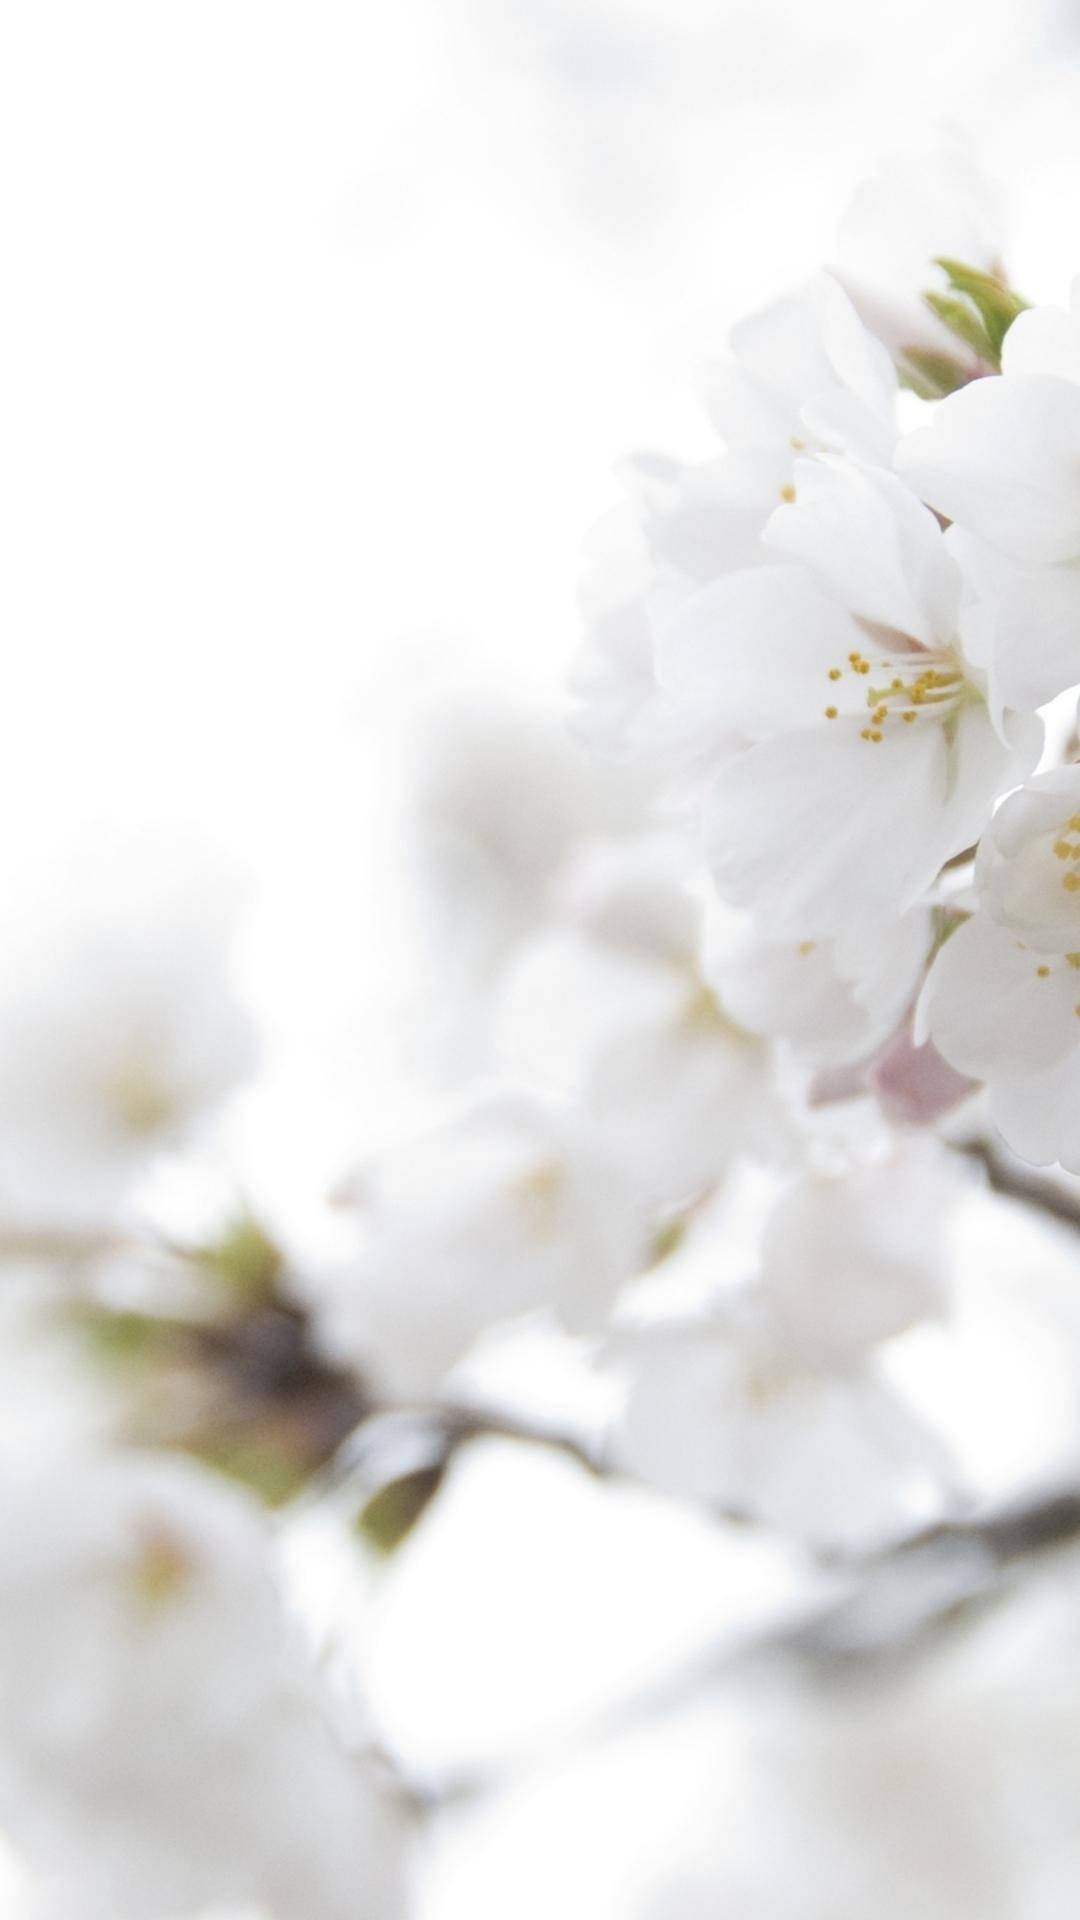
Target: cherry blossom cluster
(838, 644)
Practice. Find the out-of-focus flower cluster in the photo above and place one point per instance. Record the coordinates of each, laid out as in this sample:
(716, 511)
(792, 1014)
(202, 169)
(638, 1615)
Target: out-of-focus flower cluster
(728, 986)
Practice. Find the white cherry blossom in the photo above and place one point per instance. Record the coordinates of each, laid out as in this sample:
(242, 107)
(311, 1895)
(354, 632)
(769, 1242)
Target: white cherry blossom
(914, 209)
(871, 757)
(802, 376)
(511, 1207)
(162, 1744)
(1000, 460)
(503, 798)
(609, 1007)
(682, 524)
(119, 1027)
(771, 1404)
(833, 1001)
(1002, 1001)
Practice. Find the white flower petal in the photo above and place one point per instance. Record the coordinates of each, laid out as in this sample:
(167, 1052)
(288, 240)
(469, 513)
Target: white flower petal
(869, 541)
(851, 1259)
(1024, 623)
(761, 644)
(1003, 459)
(992, 1005)
(833, 1000)
(818, 838)
(1043, 340)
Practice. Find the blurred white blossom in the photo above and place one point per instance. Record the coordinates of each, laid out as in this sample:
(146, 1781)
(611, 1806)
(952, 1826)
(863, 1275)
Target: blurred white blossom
(162, 1747)
(119, 1028)
(510, 1208)
(770, 1404)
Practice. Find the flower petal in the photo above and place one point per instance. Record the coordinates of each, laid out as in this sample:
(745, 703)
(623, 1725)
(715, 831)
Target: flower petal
(1003, 459)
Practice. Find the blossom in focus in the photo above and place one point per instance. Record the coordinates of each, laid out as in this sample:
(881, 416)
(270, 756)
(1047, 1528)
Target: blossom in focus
(805, 375)
(802, 376)
(1002, 1001)
(1000, 460)
(871, 757)
(915, 209)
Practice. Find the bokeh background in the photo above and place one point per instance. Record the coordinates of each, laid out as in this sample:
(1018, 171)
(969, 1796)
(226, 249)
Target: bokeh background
(326, 326)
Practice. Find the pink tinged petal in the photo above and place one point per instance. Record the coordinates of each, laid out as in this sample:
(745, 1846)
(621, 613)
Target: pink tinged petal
(1003, 459)
(831, 1084)
(761, 643)
(916, 1085)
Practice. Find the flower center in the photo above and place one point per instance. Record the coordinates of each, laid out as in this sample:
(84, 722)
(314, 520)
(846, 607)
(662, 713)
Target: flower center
(924, 685)
(138, 1099)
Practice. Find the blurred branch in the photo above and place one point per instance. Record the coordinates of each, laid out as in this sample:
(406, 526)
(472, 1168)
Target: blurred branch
(1050, 1192)
(69, 1247)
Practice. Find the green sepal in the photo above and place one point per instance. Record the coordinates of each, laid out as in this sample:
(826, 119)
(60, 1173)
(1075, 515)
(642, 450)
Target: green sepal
(996, 304)
(931, 375)
(966, 322)
(944, 923)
